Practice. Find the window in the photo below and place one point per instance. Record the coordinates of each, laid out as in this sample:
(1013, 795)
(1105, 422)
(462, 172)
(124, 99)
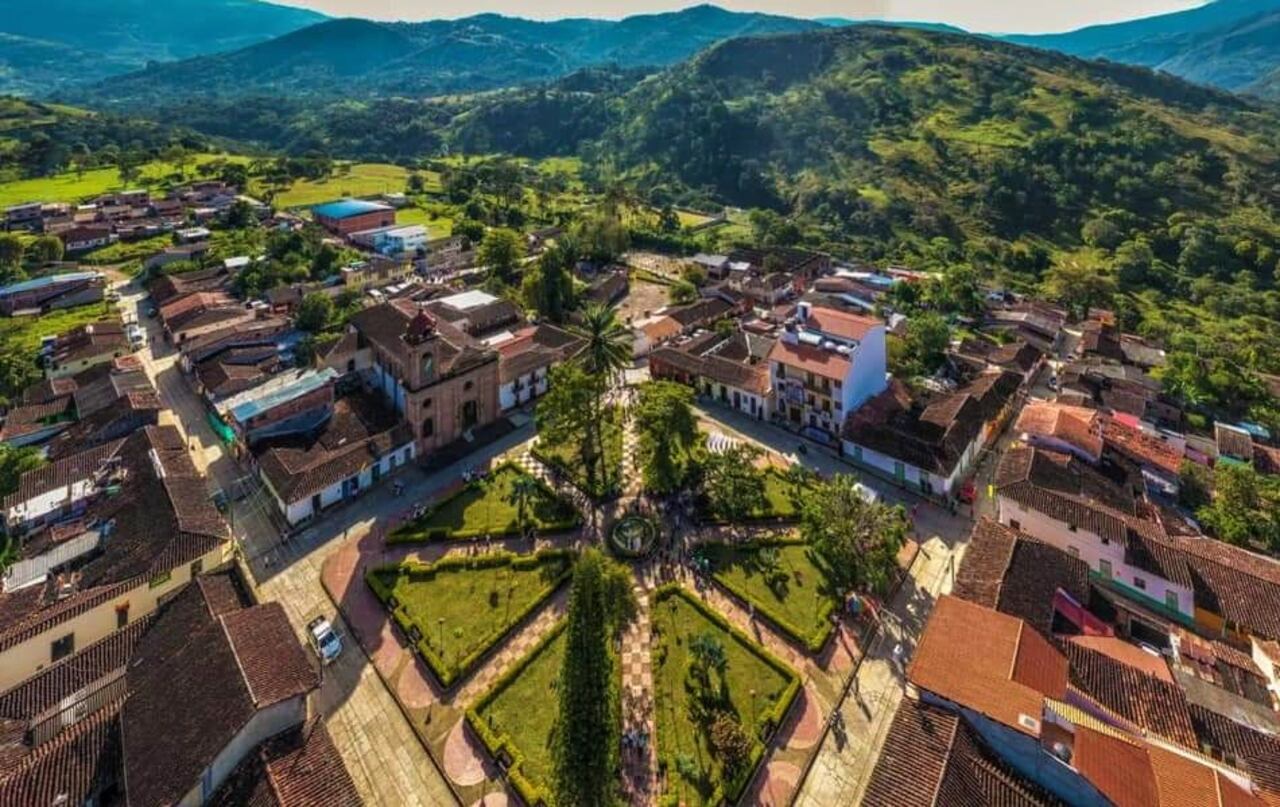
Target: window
(1104, 568)
(122, 615)
(782, 370)
(1071, 527)
(160, 579)
(1014, 524)
(61, 648)
(1139, 583)
(426, 404)
(428, 427)
(467, 386)
(407, 455)
(1171, 599)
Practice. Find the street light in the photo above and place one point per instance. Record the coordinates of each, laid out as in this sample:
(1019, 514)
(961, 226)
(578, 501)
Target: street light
(440, 622)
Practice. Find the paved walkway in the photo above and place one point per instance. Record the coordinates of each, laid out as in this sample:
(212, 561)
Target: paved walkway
(639, 765)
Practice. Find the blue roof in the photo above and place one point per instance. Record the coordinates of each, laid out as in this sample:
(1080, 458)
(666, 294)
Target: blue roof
(309, 381)
(346, 208)
(48, 280)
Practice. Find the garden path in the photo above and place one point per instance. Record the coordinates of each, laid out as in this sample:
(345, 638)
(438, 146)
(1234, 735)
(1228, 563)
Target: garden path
(639, 765)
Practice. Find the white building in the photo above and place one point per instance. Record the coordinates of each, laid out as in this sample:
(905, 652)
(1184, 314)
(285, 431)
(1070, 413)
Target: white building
(826, 365)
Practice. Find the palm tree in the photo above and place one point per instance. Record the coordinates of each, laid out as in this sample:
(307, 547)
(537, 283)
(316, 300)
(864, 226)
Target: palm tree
(606, 353)
(523, 490)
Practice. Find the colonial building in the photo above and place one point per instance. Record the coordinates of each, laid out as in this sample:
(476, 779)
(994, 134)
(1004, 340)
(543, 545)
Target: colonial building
(440, 379)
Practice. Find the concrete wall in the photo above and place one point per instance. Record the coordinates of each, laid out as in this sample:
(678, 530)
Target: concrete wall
(80, 365)
(523, 390)
(264, 725)
(867, 377)
(49, 504)
(303, 509)
(1090, 548)
(20, 662)
(748, 403)
(910, 475)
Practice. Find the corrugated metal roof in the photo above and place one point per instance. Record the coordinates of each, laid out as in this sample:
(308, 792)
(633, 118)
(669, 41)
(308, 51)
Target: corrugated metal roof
(42, 282)
(256, 405)
(346, 208)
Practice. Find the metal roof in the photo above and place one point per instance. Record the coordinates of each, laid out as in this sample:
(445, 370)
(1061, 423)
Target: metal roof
(268, 396)
(346, 208)
(42, 282)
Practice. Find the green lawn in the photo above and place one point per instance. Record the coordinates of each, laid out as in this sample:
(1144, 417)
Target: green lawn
(438, 226)
(487, 507)
(73, 187)
(457, 608)
(24, 333)
(754, 687)
(565, 456)
(362, 179)
(783, 582)
(518, 715)
(122, 251)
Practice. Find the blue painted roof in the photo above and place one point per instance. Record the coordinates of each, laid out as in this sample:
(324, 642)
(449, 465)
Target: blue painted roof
(346, 208)
(42, 282)
(309, 381)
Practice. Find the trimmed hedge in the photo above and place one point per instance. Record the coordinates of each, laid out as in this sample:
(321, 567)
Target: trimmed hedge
(501, 743)
(732, 791)
(412, 533)
(813, 642)
(445, 673)
(707, 516)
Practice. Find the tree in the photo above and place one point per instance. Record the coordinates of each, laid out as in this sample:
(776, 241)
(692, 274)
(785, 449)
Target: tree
(240, 215)
(548, 286)
(1101, 233)
(1195, 483)
(733, 487)
(858, 540)
(1133, 263)
(11, 251)
(707, 655)
(564, 414)
(523, 490)
(1245, 507)
(586, 741)
(314, 312)
(45, 249)
(1079, 286)
(667, 429)
(470, 229)
(602, 238)
(730, 742)
(415, 183)
(927, 339)
(682, 292)
(501, 252)
(606, 352)
(325, 262)
(668, 220)
(14, 462)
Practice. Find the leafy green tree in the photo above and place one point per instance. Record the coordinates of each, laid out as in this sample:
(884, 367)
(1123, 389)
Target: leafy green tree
(668, 431)
(548, 285)
(469, 229)
(601, 238)
(707, 655)
(1101, 232)
(927, 339)
(11, 252)
(415, 183)
(1195, 485)
(524, 489)
(1079, 286)
(564, 414)
(586, 741)
(501, 252)
(1245, 507)
(668, 220)
(45, 249)
(1133, 263)
(314, 312)
(240, 215)
(682, 292)
(325, 263)
(858, 540)
(734, 489)
(731, 743)
(14, 462)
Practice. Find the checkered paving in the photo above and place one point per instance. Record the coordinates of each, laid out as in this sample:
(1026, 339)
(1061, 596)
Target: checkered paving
(516, 648)
(639, 764)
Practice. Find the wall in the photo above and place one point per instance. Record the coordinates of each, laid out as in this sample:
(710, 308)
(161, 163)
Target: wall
(1090, 548)
(911, 475)
(80, 365)
(532, 385)
(34, 510)
(27, 658)
(749, 403)
(183, 334)
(299, 511)
(867, 376)
(264, 725)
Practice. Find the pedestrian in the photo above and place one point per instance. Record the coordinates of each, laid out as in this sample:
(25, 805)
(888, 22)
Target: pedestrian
(897, 655)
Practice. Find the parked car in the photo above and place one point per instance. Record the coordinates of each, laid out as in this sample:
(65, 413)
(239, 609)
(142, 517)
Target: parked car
(324, 639)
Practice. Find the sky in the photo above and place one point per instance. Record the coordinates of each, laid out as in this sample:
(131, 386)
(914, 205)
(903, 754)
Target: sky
(986, 16)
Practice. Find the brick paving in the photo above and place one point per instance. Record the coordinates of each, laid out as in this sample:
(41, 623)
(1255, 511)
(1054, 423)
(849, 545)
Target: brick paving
(639, 765)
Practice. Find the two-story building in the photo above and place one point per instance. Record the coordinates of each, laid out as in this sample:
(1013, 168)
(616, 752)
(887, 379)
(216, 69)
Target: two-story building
(824, 366)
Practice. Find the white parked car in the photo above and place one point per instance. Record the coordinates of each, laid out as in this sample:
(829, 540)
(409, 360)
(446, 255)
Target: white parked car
(324, 639)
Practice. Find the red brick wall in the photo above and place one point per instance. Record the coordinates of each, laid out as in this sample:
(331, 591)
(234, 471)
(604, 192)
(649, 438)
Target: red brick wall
(354, 224)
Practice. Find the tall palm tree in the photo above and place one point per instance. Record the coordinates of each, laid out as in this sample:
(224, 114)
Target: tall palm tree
(523, 489)
(604, 356)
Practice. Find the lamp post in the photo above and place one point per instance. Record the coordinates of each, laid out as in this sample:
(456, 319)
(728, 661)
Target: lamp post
(440, 623)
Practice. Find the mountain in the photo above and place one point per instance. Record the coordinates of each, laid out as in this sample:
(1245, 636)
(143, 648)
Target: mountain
(352, 57)
(53, 42)
(1225, 43)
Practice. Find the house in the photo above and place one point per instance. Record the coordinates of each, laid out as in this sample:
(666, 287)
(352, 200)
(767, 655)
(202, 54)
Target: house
(347, 216)
(445, 255)
(32, 424)
(166, 287)
(799, 266)
(293, 402)
(394, 240)
(826, 364)
(525, 360)
(1158, 454)
(1033, 322)
(714, 265)
(83, 239)
(441, 380)
(376, 272)
(609, 288)
(26, 216)
(732, 370)
(183, 253)
(236, 369)
(359, 444)
(1018, 356)
(52, 292)
(1235, 445)
(1059, 427)
(108, 534)
(202, 312)
(930, 447)
(263, 332)
(475, 312)
(86, 346)
(131, 411)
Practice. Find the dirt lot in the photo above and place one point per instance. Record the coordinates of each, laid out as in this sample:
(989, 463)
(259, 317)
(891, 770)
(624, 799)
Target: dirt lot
(643, 297)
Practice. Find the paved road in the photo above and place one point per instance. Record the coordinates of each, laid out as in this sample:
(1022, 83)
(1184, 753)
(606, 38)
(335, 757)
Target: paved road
(380, 748)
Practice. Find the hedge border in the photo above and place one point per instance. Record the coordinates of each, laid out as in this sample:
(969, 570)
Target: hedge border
(773, 718)
(812, 642)
(495, 743)
(445, 675)
(429, 535)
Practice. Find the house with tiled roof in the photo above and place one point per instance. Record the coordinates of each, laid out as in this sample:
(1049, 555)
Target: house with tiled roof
(1016, 355)
(1234, 444)
(731, 369)
(1067, 719)
(191, 315)
(825, 365)
(1060, 427)
(119, 528)
(526, 359)
(443, 381)
(299, 767)
(930, 445)
(350, 451)
(81, 348)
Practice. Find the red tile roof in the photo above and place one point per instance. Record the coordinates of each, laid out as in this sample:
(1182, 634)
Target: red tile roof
(1120, 769)
(841, 323)
(810, 359)
(1078, 426)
